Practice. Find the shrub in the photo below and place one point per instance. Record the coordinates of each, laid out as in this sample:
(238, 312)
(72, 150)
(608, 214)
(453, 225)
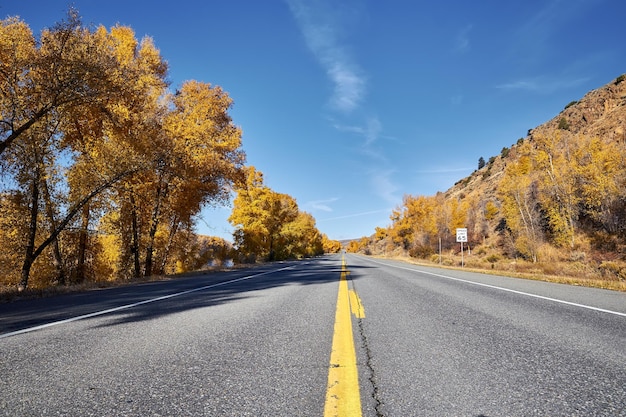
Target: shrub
(577, 256)
(421, 251)
(493, 258)
(613, 270)
(571, 103)
(563, 124)
(620, 79)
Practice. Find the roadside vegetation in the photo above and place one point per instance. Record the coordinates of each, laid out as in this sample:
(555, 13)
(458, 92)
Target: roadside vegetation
(553, 206)
(104, 168)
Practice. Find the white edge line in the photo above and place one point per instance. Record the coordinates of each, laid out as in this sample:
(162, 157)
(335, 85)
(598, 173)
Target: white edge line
(126, 306)
(556, 300)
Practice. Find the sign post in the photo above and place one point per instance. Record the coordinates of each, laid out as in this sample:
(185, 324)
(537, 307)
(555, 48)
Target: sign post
(461, 236)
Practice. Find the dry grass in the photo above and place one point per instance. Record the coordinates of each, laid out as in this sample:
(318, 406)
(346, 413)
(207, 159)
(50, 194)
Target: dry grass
(577, 273)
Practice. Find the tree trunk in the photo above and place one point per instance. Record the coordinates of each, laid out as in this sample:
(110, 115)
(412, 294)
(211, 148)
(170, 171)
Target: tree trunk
(173, 229)
(31, 252)
(29, 255)
(154, 224)
(57, 259)
(135, 234)
(82, 245)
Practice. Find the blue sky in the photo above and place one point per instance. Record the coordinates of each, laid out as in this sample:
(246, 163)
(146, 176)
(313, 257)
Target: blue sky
(348, 105)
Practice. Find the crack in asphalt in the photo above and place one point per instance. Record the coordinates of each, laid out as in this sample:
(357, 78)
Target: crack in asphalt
(376, 396)
(372, 373)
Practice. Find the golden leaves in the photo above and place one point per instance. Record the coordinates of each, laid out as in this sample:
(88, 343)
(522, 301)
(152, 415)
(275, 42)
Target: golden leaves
(270, 224)
(144, 160)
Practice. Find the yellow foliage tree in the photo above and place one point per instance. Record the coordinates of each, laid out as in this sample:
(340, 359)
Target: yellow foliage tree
(601, 171)
(300, 238)
(329, 245)
(520, 208)
(269, 225)
(92, 140)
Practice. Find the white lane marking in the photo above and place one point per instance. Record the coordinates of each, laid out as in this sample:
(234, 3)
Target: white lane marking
(556, 300)
(126, 306)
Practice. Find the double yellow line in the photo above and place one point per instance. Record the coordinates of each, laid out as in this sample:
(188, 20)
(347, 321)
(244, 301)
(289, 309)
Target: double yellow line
(342, 393)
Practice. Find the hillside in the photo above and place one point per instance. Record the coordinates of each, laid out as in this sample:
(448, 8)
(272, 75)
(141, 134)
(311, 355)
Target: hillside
(554, 202)
(601, 112)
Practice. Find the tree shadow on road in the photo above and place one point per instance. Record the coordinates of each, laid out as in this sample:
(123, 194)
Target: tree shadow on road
(151, 300)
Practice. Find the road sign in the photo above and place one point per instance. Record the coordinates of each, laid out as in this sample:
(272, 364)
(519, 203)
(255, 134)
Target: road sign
(461, 235)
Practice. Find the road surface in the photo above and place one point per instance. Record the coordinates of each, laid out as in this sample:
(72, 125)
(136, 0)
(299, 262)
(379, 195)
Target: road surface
(270, 341)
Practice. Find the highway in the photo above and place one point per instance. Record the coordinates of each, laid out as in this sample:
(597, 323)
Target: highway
(336, 335)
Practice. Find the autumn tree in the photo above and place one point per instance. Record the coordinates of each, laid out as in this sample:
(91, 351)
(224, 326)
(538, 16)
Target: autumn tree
(206, 251)
(559, 196)
(330, 245)
(600, 168)
(518, 194)
(62, 70)
(198, 159)
(353, 246)
(259, 214)
(269, 225)
(91, 139)
(300, 238)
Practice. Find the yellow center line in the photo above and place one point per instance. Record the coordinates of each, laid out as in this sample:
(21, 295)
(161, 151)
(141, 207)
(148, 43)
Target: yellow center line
(356, 306)
(342, 393)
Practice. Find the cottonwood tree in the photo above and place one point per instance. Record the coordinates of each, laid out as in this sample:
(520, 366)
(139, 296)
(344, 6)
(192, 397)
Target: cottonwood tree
(558, 194)
(300, 238)
(61, 70)
(330, 245)
(44, 83)
(520, 208)
(600, 168)
(91, 141)
(269, 225)
(198, 160)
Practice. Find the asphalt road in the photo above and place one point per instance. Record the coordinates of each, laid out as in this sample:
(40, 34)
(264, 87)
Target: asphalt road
(257, 343)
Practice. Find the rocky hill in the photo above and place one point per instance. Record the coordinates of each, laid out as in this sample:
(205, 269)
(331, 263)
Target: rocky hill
(601, 112)
(553, 203)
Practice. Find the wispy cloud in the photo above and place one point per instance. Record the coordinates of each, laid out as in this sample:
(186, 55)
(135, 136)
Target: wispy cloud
(554, 13)
(442, 171)
(370, 131)
(352, 215)
(321, 37)
(542, 84)
(321, 28)
(462, 40)
(538, 36)
(384, 186)
(320, 205)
